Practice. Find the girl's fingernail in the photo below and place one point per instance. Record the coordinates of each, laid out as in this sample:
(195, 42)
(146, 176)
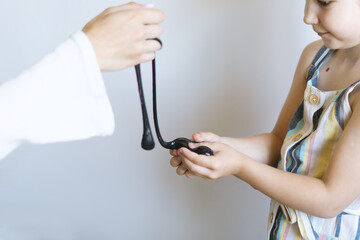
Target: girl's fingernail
(149, 5)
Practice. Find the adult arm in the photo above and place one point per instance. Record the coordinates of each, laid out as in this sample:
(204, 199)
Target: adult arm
(62, 97)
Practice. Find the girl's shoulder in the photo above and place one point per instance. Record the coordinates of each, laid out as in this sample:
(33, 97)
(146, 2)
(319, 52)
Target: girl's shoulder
(311, 49)
(314, 46)
(309, 54)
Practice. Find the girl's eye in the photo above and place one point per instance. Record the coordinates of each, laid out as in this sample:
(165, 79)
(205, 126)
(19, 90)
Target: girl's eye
(324, 3)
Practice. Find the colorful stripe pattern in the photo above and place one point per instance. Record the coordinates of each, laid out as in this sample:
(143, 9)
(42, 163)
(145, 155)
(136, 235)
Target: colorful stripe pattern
(311, 138)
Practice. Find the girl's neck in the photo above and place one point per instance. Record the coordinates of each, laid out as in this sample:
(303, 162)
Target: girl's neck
(350, 56)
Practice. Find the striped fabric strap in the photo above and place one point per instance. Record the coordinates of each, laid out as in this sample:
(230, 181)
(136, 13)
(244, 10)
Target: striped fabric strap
(319, 58)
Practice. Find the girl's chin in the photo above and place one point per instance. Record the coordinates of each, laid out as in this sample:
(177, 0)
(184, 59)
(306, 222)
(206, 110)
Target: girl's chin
(337, 44)
(331, 44)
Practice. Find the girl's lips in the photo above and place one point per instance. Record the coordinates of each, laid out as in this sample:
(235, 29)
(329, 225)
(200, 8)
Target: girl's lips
(322, 33)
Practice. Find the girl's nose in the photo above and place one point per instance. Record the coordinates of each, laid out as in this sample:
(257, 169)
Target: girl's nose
(310, 14)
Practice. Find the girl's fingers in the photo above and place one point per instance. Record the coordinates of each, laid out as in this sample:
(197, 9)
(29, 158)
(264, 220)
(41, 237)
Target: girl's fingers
(181, 170)
(215, 146)
(206, 137)
(195, 169)
(195, 159)
(188, 174)
(175, 161)
(173, 152)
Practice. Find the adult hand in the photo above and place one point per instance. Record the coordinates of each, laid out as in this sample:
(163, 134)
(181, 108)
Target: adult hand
(121, 35)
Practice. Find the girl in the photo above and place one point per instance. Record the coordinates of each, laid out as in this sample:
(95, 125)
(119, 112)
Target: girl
(309, 164)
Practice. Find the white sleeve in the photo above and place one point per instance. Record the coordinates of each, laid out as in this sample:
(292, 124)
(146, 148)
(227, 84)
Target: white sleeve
(60, 98)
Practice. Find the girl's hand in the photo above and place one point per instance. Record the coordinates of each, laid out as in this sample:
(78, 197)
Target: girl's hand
(175, 161)
(121, 36)
(198, 137)
(226, 161)
(206, 137)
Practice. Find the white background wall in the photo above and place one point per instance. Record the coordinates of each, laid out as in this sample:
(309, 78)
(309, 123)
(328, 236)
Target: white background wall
(226, 67)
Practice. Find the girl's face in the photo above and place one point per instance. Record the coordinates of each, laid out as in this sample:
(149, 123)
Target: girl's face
(337, 22)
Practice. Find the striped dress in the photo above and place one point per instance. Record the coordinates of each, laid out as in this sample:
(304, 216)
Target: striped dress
(311, 138)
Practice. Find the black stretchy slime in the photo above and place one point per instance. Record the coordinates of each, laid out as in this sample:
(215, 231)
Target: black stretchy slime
(147, 142)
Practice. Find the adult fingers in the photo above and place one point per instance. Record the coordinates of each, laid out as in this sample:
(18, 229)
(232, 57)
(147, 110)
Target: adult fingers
(151, 46)
(153, 31)
(146, 57)
(152, 16)
(139, 13)
(127, 6)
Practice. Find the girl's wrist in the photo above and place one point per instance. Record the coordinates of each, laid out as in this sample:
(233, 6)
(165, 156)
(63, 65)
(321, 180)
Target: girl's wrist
(242, 162)
(220, 140)
(226, 140)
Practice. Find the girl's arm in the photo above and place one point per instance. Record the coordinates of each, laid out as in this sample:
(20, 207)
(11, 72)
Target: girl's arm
(325, 197)
(264, 148)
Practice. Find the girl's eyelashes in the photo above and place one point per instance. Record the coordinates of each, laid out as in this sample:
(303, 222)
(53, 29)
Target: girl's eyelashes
(324, 3)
